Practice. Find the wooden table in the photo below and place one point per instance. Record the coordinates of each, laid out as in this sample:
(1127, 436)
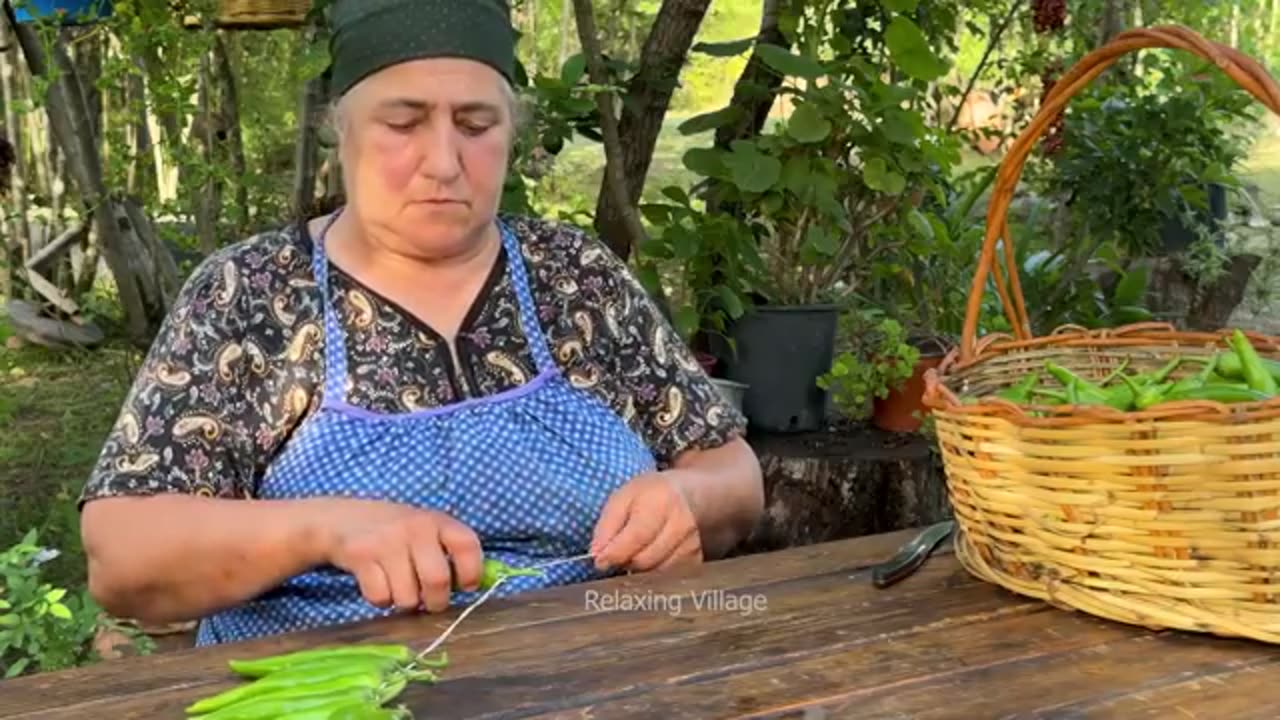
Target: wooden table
(811, 638)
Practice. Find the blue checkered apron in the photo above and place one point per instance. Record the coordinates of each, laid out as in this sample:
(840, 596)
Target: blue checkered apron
(528, 469)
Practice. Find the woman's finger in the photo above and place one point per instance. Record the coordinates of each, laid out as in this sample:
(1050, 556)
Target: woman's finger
(688, 552)
(613, 517)
(397, 567)
(373, 584)
(464, 553)
(435, 579)
(644, 523)
(660, 548)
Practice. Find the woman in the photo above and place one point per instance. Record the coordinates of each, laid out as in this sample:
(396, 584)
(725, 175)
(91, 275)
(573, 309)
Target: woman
(341, 419)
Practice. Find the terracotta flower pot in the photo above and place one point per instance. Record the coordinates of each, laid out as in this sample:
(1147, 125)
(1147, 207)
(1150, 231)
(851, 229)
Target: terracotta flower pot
(897, 412)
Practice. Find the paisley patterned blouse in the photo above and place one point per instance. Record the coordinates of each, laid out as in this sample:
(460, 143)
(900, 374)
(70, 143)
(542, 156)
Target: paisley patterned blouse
(239, 362)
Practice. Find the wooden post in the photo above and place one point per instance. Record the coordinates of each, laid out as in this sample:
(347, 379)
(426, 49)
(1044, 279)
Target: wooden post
(17, 233)
(139, 274)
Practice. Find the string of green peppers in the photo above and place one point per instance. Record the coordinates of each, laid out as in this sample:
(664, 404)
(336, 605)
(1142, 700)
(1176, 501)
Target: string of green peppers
(338, 682)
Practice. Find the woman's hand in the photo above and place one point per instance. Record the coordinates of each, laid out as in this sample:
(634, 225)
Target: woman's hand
(648, 524)
(401, 555)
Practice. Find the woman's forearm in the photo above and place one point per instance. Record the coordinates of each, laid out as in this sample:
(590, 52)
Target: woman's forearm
(725, 492)
(174, 557)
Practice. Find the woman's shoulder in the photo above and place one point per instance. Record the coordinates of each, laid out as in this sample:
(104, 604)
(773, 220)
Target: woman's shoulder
(255, 267)
(561, 253)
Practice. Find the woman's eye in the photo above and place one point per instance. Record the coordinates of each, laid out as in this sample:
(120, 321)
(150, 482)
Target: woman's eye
(404, 126)
(474, 128)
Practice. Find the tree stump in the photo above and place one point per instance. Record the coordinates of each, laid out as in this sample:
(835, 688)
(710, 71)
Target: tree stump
(846, 481)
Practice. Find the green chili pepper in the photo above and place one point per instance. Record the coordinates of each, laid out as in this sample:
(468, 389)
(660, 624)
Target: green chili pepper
(1149, 394)
(282, 705)
(1233, 368)
(351, 673)
(1219, 393)
(262, 666)
(1255, 372)
(1117, 373)
(1200, 379)
(495, 570)
(1021, 392)
(1083, 392)
(1159, 376)
(1058, 398)
(322, 664)
(330, 696)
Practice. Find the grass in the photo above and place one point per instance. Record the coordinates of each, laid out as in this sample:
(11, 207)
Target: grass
(56, 408)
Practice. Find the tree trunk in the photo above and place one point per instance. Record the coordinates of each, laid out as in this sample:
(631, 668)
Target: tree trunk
(757, 87)
(229, 111)
(306, 151)
(208, 202)
(139, 278)
(845, 482)
(1113, 14)
(644, 108)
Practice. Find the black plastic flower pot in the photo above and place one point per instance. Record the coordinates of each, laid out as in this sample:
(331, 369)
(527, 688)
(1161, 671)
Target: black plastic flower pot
(779, 354)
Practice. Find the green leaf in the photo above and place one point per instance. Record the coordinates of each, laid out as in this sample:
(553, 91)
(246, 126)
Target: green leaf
(1131, 288)
(901, 126)
(55, 595)
(910, 50)
(796, 175)
(710, 121)
(732, 304)
(808, 125)
(725, 49)
(574, 69)
(686, 320)
(707, 162)
(822, 240)
(9, 620)
(752, 170)
(900, 6)
(649, 279)
(879, 177)
(920, 223)
(16, 668)
(676, 194)
(4, 605)
(788, 63)
(60, 611)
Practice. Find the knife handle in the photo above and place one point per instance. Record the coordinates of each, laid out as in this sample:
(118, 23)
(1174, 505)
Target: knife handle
(897, 569)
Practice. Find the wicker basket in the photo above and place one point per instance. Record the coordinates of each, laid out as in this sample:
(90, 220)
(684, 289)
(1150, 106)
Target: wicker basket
(257, 14)
(1167, 518)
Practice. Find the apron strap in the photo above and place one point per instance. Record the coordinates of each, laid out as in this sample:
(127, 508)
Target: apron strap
(529, 321)
(335, 346)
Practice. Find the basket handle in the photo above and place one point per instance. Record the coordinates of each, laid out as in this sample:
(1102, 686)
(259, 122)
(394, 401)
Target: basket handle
(1246, 71)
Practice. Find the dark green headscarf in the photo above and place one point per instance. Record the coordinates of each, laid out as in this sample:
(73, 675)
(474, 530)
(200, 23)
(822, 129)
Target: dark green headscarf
(369, 35)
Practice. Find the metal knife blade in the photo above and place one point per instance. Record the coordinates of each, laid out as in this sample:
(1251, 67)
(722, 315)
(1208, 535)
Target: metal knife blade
(911, 556)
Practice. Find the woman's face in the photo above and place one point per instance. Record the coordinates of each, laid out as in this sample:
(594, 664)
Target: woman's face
(425, 149)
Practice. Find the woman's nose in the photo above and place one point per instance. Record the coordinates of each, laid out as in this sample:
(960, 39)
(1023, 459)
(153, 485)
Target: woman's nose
(441, 154)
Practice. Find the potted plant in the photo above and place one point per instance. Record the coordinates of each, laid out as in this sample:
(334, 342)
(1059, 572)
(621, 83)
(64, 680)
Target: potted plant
(816, 195)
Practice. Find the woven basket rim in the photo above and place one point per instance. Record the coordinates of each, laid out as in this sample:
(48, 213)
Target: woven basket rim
(940, 397)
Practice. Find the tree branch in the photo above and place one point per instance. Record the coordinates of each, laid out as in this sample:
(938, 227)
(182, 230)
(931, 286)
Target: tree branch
(615, 181)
